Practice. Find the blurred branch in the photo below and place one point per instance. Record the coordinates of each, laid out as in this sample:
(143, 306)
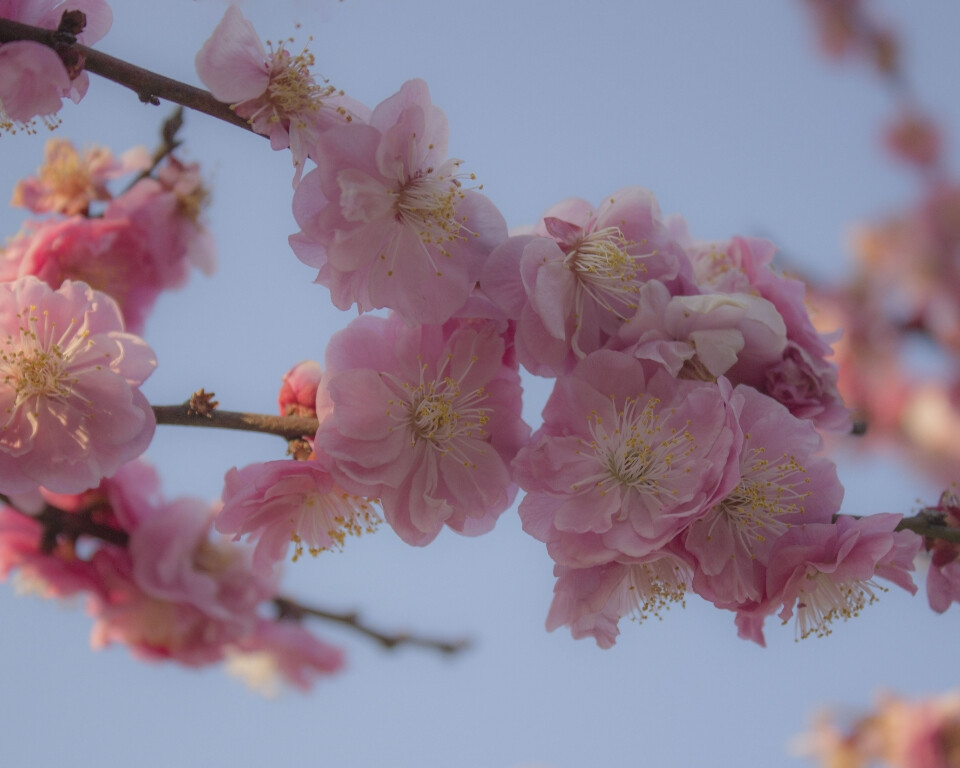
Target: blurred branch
(289, 609)
(928, 522)
(149, 86)
(57, 523)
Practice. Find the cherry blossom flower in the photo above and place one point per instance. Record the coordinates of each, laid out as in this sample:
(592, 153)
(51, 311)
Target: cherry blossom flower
(108, 254)
(168, 210)
(803, 379)
(34, 78)
(426, 419)
(282, 652)
(280, 502)
(275, 92)
(591, 601)
(69, 384)
(625, 460)
(68, 182)
(386, 219)
(822, 572)
(573, 282)
(783, 483)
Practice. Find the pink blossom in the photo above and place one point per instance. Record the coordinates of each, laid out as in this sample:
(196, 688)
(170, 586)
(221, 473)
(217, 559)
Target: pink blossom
(385, 217)
(703, 336)
(70, 388)
(280, 502)
(108, 254)
(625, 460)
(427, 419)
(154, 628)
(591, 601)
(34, 78)
(783, 483)
(57, 573)
(822, 572)
(573, 283)
(174, 559)
(275, 92)
(282, 651)
(298, 393)
(168, 211)
(803, 377)
(68, 182)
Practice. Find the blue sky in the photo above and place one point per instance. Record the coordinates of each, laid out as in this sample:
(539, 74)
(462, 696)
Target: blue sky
(729, 115)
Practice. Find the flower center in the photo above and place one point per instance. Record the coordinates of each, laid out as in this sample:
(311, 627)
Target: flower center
(822, 600)
(292, 87)
(638, 450)
(326, 519)
(605, 271)
(440, 413)
(653, 587)
(37, 365)
(428, 201)
(766, 492)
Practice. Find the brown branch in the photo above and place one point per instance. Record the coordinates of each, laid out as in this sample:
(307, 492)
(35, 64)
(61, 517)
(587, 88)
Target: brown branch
(149, 86)
(289, 609)
(199, 411)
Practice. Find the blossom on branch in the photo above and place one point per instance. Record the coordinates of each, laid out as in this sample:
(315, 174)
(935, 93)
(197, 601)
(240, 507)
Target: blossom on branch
(69, 388)
(425, 419)
(385, 216)
(275, 92)
(34, 79)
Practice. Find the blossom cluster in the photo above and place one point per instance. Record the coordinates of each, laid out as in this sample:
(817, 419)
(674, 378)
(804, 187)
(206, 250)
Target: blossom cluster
(679, 450)
(158, 580)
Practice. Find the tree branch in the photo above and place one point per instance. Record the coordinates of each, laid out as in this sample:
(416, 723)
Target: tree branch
(57, 522)
(149, 86)
(289, 609)
(201, 411)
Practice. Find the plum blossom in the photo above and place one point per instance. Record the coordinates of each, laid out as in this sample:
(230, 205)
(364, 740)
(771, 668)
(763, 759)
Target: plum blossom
(68, 182)
(782, 483)
(280, 502)
(275, 92)
(625, 460)
(591, 601)
(282, 652)
(34, 78)
(69, 384)
(573, 282)
(822, 572)
(385, 217)
(426, 419)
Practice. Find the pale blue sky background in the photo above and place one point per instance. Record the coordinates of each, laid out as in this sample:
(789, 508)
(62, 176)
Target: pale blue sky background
(729, 115)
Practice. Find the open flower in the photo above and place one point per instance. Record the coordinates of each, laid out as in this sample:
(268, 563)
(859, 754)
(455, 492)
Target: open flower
(69, 388)
(385, 216)
(426, 419)
(275, 92)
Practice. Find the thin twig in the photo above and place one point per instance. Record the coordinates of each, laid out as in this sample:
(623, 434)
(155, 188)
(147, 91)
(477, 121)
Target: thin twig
(290, 609)
(149, 86)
